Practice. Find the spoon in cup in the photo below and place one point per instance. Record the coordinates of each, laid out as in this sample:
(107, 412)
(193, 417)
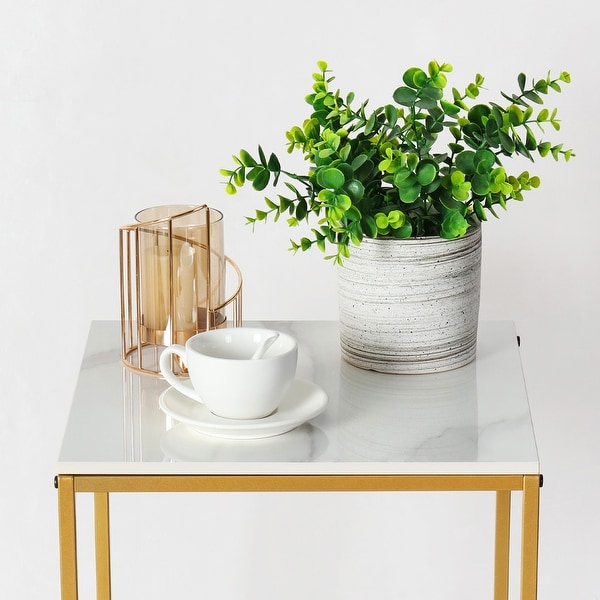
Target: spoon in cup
(265, 345)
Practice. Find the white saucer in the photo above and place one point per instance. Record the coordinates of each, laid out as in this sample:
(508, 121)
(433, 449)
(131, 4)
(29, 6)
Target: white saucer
(303, 401)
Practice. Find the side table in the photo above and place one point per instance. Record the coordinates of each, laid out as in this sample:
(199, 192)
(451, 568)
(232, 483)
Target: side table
(465, 430)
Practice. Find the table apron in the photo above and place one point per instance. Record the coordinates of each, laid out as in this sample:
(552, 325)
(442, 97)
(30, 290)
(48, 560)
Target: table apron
(297, 483)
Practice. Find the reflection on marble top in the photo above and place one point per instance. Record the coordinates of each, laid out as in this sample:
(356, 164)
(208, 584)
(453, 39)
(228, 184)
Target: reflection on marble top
(471, 420)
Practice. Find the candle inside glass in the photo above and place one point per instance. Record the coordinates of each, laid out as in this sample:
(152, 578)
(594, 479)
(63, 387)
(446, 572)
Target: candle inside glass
(182, 272)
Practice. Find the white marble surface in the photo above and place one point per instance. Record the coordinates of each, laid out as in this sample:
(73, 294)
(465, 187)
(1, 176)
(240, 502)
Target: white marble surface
(471, 420)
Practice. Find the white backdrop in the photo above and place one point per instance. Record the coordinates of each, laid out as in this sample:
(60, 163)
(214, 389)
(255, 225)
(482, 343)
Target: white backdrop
(110, 106)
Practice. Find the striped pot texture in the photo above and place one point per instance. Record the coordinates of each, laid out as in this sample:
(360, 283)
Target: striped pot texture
(411, 306)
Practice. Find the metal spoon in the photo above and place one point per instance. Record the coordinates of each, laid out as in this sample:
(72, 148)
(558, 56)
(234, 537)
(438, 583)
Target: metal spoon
(265, 345)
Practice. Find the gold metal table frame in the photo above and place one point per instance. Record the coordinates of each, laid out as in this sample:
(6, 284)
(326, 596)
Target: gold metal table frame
(103, 485)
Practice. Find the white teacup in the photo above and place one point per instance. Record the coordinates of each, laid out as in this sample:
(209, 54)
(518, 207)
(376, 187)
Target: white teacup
(224, 375)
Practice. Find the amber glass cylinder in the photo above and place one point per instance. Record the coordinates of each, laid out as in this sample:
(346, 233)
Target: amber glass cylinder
(173, 280)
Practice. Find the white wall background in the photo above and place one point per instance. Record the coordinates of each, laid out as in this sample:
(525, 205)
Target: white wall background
(110, 106)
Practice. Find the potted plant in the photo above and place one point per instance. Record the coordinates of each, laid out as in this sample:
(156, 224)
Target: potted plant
(426, 169)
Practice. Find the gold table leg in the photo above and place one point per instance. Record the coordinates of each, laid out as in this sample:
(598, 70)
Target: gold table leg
(67, 537)
(102, 530)
(502, 548)
(530, 535)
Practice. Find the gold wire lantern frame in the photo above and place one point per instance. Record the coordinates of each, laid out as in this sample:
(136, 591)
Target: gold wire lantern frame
(137, 353)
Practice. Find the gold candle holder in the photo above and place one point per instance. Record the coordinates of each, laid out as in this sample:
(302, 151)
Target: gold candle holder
(173, 281)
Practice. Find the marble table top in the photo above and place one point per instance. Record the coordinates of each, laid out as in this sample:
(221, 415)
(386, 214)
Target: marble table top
(472, 420)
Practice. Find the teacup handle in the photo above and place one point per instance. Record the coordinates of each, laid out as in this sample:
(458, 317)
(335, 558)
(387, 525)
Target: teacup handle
(183, 386)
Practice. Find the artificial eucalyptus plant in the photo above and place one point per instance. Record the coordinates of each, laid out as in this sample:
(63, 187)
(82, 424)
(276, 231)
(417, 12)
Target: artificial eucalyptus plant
(424, 165)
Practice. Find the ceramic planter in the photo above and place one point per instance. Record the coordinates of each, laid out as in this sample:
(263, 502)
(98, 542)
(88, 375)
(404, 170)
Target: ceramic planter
(411, 306)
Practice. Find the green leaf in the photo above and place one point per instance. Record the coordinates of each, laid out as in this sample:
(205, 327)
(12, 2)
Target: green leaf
(555, 150)
(461, 191)
(428, 97)
(369, 226)
(472, 91)
(479, 210)
(301, 210)
(246, 159)
(381, 221)
(358, 162)
(355, 189)
(326, 152)
(330, 178)
(426, 172)
(334, 214)
(521, 148)
(498, 114)
(240, 177)
(457, 177)
(353, 214)
(522, 80)
(371, 124)
(403, 232)
(449, 108)
(530, 141)
(465, 161)
(415, 77)
(396, 218)
(284, 203)
(260, 180)
(433, 68)
(491, 136)
(273, 164)
(397, 224)
(346, 169)
(343, 202)
(412, 160)
(479, 113)
(405, 96)
(262, 157)
(541, 86)
(484, 160)
(439, 81)
(515, 114)
(391, 114)
(544, 148)
(506, 142)
(400, 175)
(409, 190)
(533, 96)
(326, 196)
(454, 225)
(305, 244)
(480, 184)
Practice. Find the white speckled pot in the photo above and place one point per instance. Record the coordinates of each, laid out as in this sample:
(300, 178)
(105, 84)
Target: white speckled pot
(411, 306)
